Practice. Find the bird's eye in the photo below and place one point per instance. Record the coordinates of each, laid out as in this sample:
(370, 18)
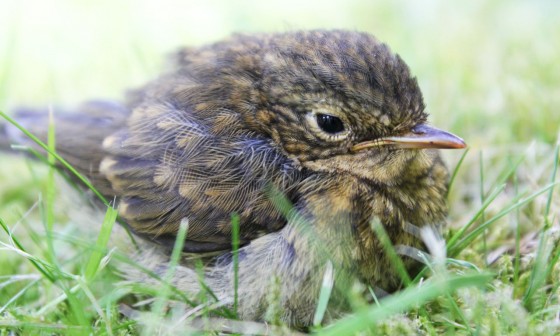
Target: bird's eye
(329, 123)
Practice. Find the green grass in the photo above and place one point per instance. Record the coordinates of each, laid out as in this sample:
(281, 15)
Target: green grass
(488, 69)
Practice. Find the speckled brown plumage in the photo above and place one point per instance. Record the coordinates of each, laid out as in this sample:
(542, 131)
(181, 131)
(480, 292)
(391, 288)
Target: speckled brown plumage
(232, 123)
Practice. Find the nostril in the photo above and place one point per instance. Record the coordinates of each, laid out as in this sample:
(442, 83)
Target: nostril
(419, 129)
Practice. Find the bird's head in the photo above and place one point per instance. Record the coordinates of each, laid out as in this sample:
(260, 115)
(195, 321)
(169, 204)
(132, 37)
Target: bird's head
(342, 101)
(335, 101)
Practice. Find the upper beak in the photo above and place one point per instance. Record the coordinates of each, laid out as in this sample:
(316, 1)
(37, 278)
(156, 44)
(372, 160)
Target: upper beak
(421, 136)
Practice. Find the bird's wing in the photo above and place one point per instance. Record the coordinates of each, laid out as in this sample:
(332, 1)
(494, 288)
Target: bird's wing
(168, 165)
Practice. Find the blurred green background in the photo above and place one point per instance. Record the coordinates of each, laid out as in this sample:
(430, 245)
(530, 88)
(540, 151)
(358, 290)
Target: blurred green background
(490, 70)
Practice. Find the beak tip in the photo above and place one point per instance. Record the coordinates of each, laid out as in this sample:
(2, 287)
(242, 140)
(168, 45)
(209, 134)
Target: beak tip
(460, 144)
(441, 139)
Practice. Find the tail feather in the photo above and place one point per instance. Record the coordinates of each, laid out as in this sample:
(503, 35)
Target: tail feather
(79, 134)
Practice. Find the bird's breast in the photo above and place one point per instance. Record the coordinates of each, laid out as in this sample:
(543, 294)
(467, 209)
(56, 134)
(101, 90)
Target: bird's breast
(347, 207)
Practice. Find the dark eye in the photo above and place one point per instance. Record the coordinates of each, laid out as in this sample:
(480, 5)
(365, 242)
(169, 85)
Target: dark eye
(329, 123)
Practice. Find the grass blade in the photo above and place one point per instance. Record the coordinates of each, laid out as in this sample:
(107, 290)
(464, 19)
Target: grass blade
(235, 258)
(325, 294)
(101, 244)
(390, 251)
(50, 192)
(538, 273)
(456, 170)
(553, 179)
(406, 299)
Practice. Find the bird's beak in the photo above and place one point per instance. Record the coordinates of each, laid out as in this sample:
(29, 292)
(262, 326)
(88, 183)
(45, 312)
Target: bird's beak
(420, 137)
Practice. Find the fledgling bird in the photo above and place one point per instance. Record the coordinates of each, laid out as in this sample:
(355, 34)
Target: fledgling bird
(331, 120)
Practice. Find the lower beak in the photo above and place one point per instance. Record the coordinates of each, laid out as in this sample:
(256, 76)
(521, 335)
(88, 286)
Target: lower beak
(421, 136)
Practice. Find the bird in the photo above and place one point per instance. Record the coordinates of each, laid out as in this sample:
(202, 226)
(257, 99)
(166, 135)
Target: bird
(305, 138)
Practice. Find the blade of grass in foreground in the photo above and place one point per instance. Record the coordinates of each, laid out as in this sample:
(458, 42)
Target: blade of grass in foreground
(517, 254)
(394, 258)
(43, 328)
(101, 244)
(543, 266)
(482, 216)
(96, 306)
(456, 170)
(391, 252)
(324, 295)
(235, 256)
(553, 179)
(531, 300)
(50, 192)
(177, 249)
(159, 305)
(406, 299)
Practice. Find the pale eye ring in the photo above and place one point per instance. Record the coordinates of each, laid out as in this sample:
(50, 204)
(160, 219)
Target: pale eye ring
(327, 126)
